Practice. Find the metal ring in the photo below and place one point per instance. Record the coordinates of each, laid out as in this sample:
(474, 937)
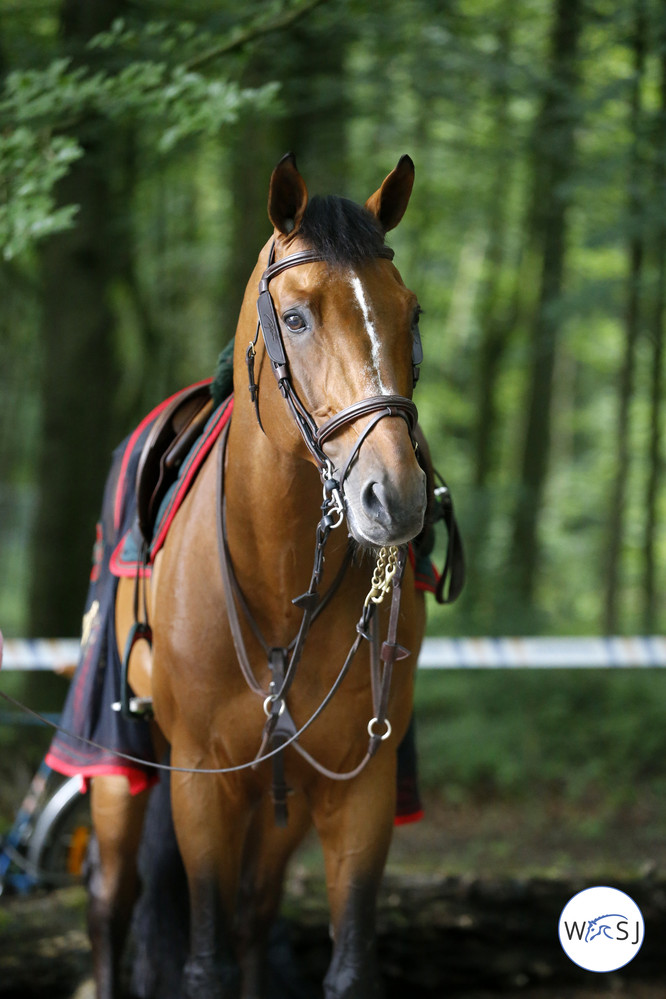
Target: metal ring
(375, 721)
(269, 702)
(333, 501)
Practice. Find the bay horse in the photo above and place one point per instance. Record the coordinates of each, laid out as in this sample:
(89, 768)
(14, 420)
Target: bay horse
(328, 412)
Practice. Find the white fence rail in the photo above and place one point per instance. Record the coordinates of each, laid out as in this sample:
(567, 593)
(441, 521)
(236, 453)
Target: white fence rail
(437, 653)
(46, 654)
(543, 653)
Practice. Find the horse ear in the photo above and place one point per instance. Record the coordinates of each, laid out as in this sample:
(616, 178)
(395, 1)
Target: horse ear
(391, 200)
(287, 196)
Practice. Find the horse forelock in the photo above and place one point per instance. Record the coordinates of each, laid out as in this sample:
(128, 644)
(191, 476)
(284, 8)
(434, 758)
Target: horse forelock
(340, 230)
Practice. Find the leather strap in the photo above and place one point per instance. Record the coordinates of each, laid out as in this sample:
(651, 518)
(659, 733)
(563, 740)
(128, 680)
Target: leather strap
(225, 568)
(381, 672)
(395, 405)
(305, 257)
(311, 602)
(452, 579)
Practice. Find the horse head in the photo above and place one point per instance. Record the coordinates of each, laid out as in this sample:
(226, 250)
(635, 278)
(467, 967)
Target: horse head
(341, 332)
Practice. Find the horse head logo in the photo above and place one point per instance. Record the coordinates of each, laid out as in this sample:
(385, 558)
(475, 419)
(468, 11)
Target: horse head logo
(599, 927)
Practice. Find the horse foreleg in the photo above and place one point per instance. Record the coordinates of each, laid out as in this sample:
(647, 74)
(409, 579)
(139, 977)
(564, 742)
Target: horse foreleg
(113, 881)
(210, 819)
(355, 823)
(268, 849)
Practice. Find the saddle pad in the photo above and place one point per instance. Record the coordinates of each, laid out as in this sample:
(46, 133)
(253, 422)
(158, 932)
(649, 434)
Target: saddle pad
(96, 685)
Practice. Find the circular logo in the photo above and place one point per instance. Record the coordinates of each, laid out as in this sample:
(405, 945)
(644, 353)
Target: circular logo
(601, 929)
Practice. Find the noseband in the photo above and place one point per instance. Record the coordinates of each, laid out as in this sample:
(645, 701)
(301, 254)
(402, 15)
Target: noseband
(314, 436)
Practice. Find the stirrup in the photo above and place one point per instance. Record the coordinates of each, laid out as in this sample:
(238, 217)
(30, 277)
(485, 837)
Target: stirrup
(130, 707)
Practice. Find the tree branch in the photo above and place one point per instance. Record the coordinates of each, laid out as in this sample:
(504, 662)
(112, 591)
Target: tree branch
(283, 20)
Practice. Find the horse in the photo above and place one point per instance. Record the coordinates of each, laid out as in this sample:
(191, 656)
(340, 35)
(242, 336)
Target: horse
(282, 707)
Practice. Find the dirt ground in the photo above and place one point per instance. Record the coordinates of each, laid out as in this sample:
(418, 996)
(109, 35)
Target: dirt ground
(469, 909)
(549, 837)
(452, 937)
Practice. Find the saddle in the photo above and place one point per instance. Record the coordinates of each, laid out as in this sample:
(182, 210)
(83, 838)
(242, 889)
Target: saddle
(167, 445)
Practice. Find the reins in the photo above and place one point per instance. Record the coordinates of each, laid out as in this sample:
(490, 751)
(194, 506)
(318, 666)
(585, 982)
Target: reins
(310, 602)
(333, 513)
(283, 661)
(365, 628)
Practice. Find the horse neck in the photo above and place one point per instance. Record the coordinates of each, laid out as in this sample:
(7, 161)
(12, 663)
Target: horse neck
(269, 494)
(272, 505)
(273, 496)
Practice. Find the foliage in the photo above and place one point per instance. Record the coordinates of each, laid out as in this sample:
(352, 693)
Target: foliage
(518, 734)
(30, 166)
(165, 95)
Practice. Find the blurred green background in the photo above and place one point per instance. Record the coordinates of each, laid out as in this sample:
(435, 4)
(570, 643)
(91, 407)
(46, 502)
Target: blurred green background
(136, 144)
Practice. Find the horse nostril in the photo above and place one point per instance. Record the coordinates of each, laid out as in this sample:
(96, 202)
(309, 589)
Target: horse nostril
(374, 502)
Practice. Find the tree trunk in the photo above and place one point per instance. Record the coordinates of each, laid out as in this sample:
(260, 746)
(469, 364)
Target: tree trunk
(494, 322)
(636, 208)
(554, 156)
(80, 365)
(497, 320)
(650, 608)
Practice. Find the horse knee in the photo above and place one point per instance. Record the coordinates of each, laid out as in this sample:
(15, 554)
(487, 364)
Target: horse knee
(111, 895)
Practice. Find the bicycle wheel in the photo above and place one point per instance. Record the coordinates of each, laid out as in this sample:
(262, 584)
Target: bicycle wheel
(57, 847)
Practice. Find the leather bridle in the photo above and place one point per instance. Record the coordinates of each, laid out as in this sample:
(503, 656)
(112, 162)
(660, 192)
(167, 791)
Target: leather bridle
(379, 406)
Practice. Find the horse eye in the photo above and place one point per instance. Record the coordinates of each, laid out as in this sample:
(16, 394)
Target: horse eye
(418, 311)
(294, 322)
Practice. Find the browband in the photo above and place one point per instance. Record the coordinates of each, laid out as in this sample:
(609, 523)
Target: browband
(304, 257)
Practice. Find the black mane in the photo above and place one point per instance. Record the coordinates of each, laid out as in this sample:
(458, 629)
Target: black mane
(340, 230)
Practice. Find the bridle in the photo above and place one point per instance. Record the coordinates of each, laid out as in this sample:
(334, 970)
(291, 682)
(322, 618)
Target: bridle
(315, 437)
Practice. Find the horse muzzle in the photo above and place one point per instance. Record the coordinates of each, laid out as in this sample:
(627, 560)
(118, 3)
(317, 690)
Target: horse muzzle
(384, 508)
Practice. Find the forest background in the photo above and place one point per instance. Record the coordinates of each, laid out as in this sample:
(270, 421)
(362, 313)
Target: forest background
(136, 144)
